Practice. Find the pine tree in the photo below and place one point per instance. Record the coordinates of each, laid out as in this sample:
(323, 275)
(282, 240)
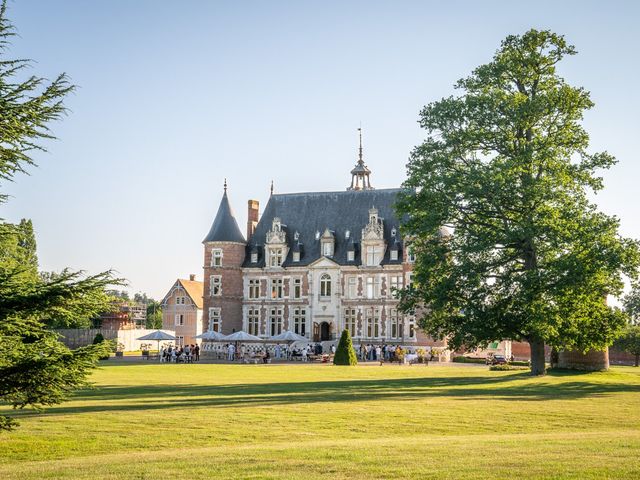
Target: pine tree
(36, 369)
(345, 353)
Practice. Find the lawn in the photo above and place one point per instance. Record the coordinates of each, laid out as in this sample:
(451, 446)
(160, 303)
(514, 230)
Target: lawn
(318, 421)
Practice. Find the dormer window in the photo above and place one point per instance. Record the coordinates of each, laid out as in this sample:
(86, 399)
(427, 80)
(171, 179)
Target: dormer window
(327, 243)
(296, 256)
(374, 255)
(351, 256)
(254, 257)
(276, 257)
(394, 255)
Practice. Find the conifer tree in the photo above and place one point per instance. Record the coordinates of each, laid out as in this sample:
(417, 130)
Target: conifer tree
(36, 369)
(345, 353)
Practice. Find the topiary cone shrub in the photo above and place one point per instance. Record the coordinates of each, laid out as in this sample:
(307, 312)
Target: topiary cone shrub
(345, 353)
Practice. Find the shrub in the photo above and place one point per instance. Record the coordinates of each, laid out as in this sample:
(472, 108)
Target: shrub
(463, 359)
(99, 338)
(345, 354)
(503, 368)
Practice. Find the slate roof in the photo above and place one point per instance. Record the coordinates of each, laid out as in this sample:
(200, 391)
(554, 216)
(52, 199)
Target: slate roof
(308, 213)
(225, 227)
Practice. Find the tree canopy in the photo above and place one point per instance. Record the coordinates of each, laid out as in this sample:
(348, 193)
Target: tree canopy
(36, 369)
(506, 168)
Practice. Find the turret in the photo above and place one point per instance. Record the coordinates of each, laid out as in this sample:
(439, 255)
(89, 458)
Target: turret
(224, 250)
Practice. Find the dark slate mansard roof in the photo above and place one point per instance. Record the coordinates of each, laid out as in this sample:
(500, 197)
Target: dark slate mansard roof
(308, 213)
(225, 227)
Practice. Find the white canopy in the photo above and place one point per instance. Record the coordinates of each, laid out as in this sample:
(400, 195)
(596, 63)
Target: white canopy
(211, 336)
(241, 337)
(289, 336)
(158, 335)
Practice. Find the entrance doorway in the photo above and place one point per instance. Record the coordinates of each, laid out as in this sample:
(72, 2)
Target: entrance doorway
(325, 331)
(321, 331)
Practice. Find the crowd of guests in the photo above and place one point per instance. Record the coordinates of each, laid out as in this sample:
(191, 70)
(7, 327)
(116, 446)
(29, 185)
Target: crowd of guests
(175, 354)
(255, 353)
(265, 353)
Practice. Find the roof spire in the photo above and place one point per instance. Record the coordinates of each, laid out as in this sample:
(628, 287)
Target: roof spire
(360, 160)
(225, 185)
(360, 174)
(272, 187)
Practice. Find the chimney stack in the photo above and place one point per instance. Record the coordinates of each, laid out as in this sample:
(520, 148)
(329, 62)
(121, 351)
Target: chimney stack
(192, 277)
(252, 217)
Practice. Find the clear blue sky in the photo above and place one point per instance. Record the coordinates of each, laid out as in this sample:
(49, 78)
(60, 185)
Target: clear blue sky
(175, 96)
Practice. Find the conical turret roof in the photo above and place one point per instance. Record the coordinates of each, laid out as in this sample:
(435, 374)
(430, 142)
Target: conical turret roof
(225, 227)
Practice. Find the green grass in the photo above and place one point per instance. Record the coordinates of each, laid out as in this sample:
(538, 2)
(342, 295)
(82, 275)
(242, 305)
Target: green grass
(312, 422)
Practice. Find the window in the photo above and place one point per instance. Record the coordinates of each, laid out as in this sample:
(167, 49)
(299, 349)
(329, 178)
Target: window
(373, 287)
(369, 322)
(351, 256)
(300, 321)
(297, 287)
(216, 257)
(325, 285)
(180, 340)
(296, 256)
(395, 284)
(376, 322)
(275, 257)
(394, 255)
(350, 321)
(253, 324)
(411, 256)
(275, 322)
(254, 258)
(409, 279)
(216, 285)
(412, 326)
(179, 319)
(327, 249)
(179, 300)
(397, 325)
(276, 288)
(254, 288)
(352, 287)
(215, 323)
(374, 256)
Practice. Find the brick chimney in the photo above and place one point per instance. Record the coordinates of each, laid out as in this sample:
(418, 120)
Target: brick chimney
(252, 217)
(192, 277)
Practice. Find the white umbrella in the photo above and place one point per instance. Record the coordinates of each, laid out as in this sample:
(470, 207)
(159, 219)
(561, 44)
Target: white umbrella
(158, 335)
(289, 336)
(211, 336)
(241, 337)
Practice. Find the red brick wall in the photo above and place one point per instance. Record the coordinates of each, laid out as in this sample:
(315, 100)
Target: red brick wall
(230, 302)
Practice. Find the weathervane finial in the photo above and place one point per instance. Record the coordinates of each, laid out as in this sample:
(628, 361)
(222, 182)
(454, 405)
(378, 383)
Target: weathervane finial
(225, 185)
(271, 187)
(360, 160)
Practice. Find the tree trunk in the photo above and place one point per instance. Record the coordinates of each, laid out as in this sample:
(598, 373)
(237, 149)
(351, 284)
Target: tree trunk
(538, 366)
(637, 358)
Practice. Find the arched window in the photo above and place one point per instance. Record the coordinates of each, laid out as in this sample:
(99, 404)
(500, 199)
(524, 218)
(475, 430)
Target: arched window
(325, 285)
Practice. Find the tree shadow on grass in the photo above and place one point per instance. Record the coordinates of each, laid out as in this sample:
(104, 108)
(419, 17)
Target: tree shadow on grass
(501, 387)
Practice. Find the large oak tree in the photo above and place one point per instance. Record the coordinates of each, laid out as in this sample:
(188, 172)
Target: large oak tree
(506, 168)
